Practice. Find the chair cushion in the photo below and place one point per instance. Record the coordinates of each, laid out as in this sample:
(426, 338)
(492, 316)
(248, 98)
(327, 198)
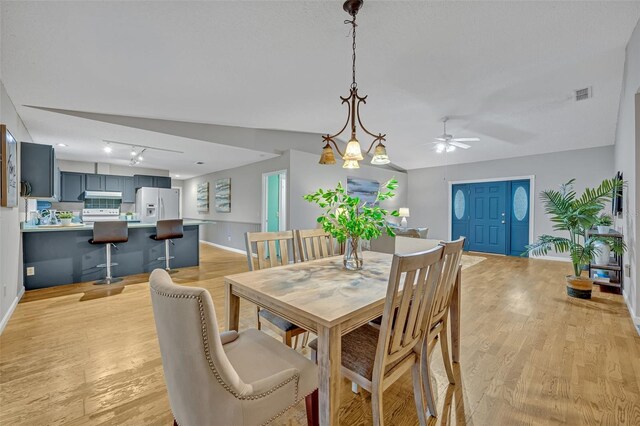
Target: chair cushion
(255, 355)
(359, 351)
(279, 322)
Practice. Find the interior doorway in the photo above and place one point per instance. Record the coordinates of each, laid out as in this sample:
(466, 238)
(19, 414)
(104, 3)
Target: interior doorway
(274, 201)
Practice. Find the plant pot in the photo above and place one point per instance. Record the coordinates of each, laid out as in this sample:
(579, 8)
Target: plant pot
(66, 222)
(579, 287)
(353, 254)
(603, 229)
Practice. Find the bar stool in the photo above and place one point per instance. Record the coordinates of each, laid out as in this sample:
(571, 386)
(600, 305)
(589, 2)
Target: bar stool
(109, 233)
(167, 230)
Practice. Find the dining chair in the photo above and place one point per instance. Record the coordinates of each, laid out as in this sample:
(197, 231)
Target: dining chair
(375, 358)
(245, 378)
(314, 244)
(438, 317)
(272, 249)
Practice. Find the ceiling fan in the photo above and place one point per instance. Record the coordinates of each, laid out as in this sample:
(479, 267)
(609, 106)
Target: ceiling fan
(447, 143)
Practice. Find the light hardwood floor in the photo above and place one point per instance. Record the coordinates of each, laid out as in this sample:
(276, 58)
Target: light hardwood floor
(83, 354)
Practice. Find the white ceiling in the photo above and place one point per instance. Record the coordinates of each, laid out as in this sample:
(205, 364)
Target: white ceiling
(505, 71)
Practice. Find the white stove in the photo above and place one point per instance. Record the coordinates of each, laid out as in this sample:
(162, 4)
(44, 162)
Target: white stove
(100, 215)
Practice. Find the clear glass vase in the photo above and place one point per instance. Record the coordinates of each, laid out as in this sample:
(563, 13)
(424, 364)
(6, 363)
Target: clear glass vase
(353, 254)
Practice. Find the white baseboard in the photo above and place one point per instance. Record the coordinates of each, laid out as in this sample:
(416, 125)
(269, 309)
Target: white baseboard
(235, 250)
(554, 258)
(634, 317)
(14, 304)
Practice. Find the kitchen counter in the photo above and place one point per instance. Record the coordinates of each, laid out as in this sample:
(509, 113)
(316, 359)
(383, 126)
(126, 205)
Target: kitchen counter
(83, 227)
(63, 254)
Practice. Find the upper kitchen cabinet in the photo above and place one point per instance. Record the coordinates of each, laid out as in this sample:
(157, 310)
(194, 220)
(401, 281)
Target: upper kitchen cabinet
(94, 182)
(144, 181)
(129, 190)
(114, 183)
(71, 186)
(38, 168)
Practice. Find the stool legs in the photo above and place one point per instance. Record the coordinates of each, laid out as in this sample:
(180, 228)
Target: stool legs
(108, 279)
(167, 257)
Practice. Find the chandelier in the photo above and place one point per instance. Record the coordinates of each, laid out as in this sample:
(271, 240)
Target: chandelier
(353, 153)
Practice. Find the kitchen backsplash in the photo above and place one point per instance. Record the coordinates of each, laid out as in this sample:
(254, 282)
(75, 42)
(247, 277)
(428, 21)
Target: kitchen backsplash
(102, 204)
(124, 207)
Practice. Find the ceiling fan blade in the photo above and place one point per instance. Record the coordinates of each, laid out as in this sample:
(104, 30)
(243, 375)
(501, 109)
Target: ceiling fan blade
(466, 139)
(460, 145)
(441, 139)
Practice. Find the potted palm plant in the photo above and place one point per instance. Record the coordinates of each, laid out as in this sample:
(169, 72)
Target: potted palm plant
(350, 221)
(577, 215)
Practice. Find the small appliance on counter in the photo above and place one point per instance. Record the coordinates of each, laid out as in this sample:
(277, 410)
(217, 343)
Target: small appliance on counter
(154, 204)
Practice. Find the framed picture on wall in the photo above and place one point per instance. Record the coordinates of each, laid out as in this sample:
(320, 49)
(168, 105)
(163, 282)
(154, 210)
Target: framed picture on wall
(202, 197)
(365, 189)
(223, 195)
(8, 169)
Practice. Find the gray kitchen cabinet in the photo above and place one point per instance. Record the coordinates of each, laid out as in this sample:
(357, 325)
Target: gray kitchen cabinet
(162, 182)
(114, 183)
(143, 181)
(71, 186)
(94, 182)
(128, 190)
(38, 167)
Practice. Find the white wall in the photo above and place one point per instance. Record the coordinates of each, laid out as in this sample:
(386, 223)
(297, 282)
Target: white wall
(627, 156)
(428, 188)
(11, 286)
(307, 176)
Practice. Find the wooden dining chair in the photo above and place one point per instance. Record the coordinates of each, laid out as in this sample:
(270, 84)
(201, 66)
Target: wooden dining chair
(375, 358)
(314, 244)
(272, 249)
(437, 319)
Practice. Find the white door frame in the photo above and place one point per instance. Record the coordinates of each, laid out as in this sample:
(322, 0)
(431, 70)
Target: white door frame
(282, 225)
(532, 188)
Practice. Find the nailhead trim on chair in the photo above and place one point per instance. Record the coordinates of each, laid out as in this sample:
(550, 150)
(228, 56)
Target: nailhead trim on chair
(205, 341)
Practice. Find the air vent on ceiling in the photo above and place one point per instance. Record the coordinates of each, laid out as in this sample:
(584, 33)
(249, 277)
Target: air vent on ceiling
(582, 94)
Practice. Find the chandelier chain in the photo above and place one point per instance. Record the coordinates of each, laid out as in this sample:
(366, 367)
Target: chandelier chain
(354, 85)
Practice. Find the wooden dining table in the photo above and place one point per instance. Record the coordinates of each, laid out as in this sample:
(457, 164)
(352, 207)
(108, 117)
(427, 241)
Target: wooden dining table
(324, 298)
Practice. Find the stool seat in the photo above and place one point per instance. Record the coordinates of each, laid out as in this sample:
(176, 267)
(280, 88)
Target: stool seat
(109, 233)
(168, 230)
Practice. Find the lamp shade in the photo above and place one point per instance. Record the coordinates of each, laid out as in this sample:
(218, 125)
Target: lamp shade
(380, 155)
(404, 212)
(350, 164)
(327, 156)
(353, 151)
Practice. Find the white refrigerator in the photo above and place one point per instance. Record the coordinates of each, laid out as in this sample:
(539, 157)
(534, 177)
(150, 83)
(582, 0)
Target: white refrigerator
(153, 204)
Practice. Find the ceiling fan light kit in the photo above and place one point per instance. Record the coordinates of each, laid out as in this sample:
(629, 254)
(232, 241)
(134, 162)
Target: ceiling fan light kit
(353, 153)
(447, 143)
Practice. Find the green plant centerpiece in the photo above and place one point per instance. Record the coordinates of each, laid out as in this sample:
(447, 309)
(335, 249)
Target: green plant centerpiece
(577, 215)
(350, 220)
(65, 217)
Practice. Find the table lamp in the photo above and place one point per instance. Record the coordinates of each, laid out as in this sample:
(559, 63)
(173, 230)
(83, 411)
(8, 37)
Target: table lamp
(404, 213)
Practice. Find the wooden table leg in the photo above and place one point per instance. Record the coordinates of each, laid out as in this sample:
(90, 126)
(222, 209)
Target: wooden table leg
(232, 312)
(454, 312)
(329, 363)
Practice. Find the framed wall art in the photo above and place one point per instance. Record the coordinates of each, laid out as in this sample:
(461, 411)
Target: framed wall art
(8, 169)
(202, 197)
(223, 195)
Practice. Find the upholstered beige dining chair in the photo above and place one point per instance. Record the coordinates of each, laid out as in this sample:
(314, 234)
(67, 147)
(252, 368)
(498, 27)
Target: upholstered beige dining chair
(314, 244)
(272, 249)
(245, 378)
(373, 357)
(437, 319)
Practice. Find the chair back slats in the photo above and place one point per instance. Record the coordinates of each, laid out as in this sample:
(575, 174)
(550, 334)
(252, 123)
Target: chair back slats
(411, 280)
(314, 244)
(272, 248)
(452, 253)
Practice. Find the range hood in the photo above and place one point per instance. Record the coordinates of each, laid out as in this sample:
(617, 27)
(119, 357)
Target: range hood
(102, 195)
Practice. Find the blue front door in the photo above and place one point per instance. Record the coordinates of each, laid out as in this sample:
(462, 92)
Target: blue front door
(488, 217)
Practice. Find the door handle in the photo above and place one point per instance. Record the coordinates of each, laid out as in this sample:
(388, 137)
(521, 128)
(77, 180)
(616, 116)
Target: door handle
(503, 222)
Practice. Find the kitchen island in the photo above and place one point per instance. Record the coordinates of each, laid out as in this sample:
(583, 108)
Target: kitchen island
(63, 255)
